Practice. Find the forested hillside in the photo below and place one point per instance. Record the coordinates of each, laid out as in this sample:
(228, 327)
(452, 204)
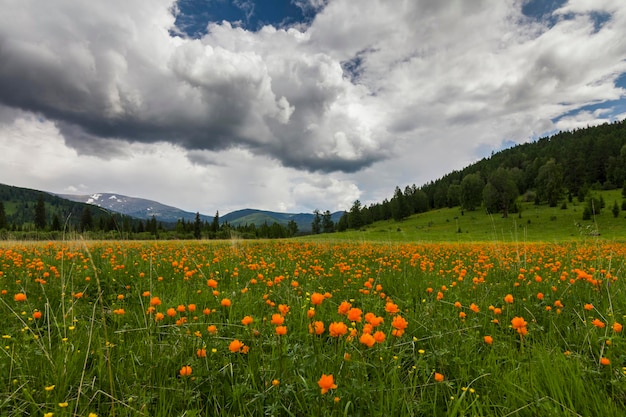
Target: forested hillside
(24, 210)
(551, 170)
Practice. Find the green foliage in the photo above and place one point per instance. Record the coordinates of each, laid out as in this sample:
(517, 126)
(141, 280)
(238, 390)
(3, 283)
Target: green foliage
(471, 191)
(500, 192)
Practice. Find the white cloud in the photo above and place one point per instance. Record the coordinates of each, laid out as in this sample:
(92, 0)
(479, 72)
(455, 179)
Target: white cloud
(362, 99)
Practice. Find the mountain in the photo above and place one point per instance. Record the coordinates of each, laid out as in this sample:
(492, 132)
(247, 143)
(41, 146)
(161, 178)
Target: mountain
(145, 209)
(258, 217)
(136, 207)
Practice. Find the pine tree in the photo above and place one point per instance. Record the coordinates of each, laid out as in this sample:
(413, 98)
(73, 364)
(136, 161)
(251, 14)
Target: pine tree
(3, 217)
(40, 213)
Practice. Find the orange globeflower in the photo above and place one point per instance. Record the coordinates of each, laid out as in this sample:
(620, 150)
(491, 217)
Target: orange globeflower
(598, 323)
(488, 340)
(247, 320)
(310, 313)
(212, 329)
(20, 296)
(185, 370)
(588, 307)
(519, 324)
(201, 353)
(474, 308)
(171, 312)
(155, 301)
(399, 323)
(605, 361)
(617, 328)
(316, 327)
(38, 314)
(367, 340)
(159, 317)
(326, 383)
(337, 329)
(281, 330)
(391, 308)
(236, 346)
(379, 336)
(212, 283)
(354, 314)
(277, 319)
(508, 299)
(317, 298)
(439, 377)
(284, 309)
(225, 302)
(344, 307)
(181, 308)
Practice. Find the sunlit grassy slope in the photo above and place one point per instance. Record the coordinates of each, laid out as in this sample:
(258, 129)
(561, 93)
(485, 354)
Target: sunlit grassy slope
(535, 223)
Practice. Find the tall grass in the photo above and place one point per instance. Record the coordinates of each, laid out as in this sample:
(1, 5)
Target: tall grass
(92, 337)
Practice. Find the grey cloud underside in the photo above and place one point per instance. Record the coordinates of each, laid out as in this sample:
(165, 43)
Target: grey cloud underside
(200, 98)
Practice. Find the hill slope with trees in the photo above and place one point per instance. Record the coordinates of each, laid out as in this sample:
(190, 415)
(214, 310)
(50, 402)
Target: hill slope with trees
(552, 170)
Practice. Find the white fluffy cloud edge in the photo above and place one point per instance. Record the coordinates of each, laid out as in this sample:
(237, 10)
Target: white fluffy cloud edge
(109, 98)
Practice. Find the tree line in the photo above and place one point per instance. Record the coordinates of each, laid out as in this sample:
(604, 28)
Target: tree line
(552, 170)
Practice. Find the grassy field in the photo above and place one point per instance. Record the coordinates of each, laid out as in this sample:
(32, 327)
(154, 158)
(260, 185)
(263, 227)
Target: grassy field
(502, 328)
(534, 223)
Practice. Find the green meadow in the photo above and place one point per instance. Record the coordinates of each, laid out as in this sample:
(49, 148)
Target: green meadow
(500, 327)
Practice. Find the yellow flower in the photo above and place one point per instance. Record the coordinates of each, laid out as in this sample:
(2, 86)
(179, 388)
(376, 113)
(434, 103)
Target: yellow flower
(49, 388)
(63, 405)
(48, 414)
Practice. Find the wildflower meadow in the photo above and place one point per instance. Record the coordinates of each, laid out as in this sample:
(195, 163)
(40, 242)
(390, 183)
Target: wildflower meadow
(292, 328)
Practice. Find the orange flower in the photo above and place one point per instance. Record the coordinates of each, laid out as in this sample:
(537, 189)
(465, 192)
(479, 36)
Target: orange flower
(391, 308)
(317, 298)
(236, 346)
(247, 320)
(343, 308)
(38, 314)
(310, 313)
(605, 361)
(159, 317)
(281, 330)
(354, 314)
(225, 302)
(379, 336)
(367, 340)
(201, 353)
(488, 340)
(336, 329)
(212, 283)
(120, 296)
(20, 296)
(508, 299)
(191, 308)
(617, 328)
(399, 323)
(185, 370)
(462, 315)
(326, 383)
(212, 329)
(374, 320)
(539, 296)
(181, 308)
(316, 327)
(119, 311)
(474, 308)
(588, 307)
(284, 309)
(519, 324)
(439, 377)
(598, 323)
(277, 319)
(171, 312)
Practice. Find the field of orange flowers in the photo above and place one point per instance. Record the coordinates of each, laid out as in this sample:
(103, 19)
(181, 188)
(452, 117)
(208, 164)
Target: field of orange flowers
(294, 328)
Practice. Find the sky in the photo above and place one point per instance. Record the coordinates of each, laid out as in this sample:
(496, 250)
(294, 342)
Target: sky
(292, 105)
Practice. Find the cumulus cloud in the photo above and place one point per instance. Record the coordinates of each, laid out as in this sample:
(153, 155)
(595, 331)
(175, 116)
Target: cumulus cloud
(379, 94)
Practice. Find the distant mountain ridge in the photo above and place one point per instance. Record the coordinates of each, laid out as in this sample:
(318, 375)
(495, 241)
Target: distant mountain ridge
(145, 209)
(140, 208)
